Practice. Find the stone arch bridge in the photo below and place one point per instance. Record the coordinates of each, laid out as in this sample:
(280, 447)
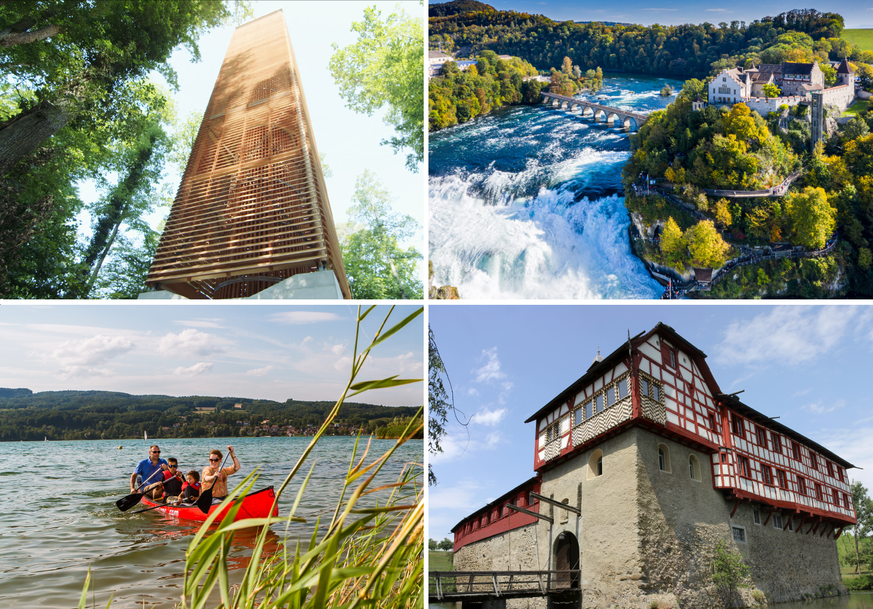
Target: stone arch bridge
(630, 120)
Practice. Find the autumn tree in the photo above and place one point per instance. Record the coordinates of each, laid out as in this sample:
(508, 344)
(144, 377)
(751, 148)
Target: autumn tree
(672, 244)
(771, 90)
(705, 245)
(811, 216)
(383, 69)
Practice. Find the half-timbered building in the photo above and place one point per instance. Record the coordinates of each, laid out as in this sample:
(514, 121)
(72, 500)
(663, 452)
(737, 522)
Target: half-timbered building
(662, 466)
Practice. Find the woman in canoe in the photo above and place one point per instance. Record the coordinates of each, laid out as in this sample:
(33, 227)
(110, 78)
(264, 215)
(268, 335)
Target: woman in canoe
(215, 479)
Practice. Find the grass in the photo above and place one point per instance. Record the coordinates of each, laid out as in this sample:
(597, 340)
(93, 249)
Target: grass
(862, 38)
(439, 561)
(857, 108)
(364, 556)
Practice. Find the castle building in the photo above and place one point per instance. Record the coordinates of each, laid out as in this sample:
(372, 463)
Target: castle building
(796, 81)
(662, 467)
(252, 217)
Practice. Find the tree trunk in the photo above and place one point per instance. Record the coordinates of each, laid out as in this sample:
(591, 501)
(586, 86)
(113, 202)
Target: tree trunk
(24, 133)
(857, 554)
(11, 39)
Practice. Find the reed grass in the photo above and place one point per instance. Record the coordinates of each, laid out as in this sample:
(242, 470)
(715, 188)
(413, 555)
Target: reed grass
(364, 557)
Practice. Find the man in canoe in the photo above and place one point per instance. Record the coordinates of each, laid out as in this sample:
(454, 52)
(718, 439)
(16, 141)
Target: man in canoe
(215, 478)
(146, 469)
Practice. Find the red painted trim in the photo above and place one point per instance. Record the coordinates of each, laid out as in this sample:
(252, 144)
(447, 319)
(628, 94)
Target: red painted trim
(634, 368)
(768, 518)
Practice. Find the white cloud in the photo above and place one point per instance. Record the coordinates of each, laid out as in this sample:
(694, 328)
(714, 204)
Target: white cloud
(189, 342)
(304, 317)
(194, 370)
(718, 10)
(202, 323)
(69, 372)
(489, 418)
(259, 371)
(473, 391)
(818, 408)
(92, 351)
(338, 349)
(491, 370)
(787, 334)
(658, 9)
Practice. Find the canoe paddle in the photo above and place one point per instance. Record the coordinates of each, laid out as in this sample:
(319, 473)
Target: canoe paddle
(125, 503)
(204, 502)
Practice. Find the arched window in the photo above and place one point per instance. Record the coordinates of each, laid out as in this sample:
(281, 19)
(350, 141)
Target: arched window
(595, 464)
(694, 467)
(664, 458)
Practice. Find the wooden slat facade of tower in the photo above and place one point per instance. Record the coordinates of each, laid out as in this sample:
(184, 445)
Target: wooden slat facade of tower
(252, 208)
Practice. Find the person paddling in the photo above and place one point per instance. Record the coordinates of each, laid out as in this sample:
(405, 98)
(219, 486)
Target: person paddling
(146, 469)
(216, 480)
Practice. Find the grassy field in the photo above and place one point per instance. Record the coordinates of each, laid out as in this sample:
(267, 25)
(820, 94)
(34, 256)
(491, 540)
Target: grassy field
(439, 561)
(862, 38)
(857, 108)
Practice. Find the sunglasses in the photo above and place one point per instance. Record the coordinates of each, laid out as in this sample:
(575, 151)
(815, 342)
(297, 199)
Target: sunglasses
(155, 451)
(211, 459)
(172, 466)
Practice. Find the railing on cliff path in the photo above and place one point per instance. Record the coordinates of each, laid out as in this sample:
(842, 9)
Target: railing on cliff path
(449, 586)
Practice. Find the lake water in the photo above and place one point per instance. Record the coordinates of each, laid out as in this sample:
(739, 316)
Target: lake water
(59, 515)
(527, 201)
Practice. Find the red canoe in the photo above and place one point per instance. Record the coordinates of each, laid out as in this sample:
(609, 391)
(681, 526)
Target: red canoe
(254, 505)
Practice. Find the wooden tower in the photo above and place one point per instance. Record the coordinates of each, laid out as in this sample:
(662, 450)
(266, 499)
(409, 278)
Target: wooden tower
(252, 209)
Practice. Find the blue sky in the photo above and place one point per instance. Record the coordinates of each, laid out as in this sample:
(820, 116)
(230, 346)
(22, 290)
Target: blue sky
(672, 12)
(350, 141)
(808, 365)
(245, 350)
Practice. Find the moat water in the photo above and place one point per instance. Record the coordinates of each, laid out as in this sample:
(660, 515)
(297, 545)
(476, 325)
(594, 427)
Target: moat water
(858, 600)
(527, 202)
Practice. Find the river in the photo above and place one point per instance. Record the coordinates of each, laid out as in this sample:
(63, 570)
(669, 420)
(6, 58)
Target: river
(59, 514)
(527, 202)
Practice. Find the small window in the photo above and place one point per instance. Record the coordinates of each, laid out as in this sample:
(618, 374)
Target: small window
(745, 471)
(739, 534)
(622, 388)
(736, 425)
(846, 501)
(783, 479)
(761, 436)
(656, 393)
(756, 514)
(818, 493)
(777, 442)
(610, 396)
(595, 464)
(790, 524)
(765, 470)
(836, 498)
(830, 469)
(712, 423)
(672, 358)
(662, 460)
(795, 451)
(598, 400)
(644, 387)
(801, 485)
(694, 467)
(813, 459)
(777, 521)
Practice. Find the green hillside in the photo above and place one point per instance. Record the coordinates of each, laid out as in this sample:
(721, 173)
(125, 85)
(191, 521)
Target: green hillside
(862, 38)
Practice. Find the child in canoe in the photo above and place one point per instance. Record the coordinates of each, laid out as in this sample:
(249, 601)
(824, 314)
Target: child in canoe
(173, 481)
(191, 488)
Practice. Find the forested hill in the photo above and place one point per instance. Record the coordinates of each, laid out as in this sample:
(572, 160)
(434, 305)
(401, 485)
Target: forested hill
(457, 7)
(74, 415)
(682, 50)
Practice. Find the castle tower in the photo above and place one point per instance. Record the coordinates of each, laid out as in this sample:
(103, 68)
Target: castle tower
(816, 109)
(845, 75)
(252, 209)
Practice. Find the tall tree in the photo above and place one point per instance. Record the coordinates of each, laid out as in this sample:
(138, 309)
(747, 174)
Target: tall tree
(440, 402)
(672, 244)
(377, 266)
(812, 217)
(707, 248)
(864, 513)
(383, 68)
(75, 55)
